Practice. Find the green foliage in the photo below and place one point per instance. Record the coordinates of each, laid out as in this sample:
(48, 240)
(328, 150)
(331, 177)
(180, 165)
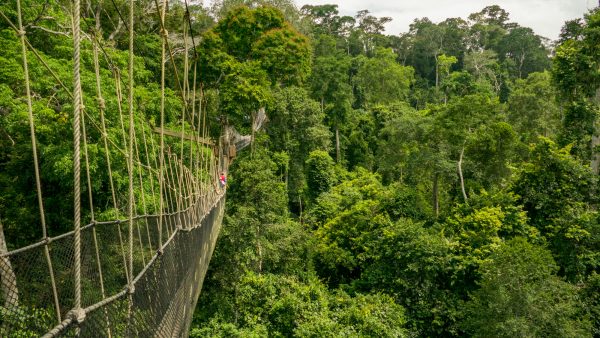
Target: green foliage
(414, 264)
(574, 71)
(284, 55)
(296, 127)
(25, 322)
(520, 295)
(247, 52)
(523, 52)
(415, 119)
(558, 193)
(281, 306)
(590, 296)
(320, 174)
(381, 243)
(551, 182)
(347, 219)
(381, 80)
(532, 107)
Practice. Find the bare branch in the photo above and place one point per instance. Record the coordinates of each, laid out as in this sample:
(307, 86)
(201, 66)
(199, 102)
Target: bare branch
(47, 30)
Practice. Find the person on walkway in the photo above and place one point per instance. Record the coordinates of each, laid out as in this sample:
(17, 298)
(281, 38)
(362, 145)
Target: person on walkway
(222, 180)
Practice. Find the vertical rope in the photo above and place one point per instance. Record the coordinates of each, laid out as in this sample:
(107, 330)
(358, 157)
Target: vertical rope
(175, 195)
(194, 144)
(185, 95)
(159, 210)
(77, 110)
(162, 122)
(38, 183)
(150, 167)
(101, 108)
(202, 122)
(130, 204)
(120, 109)
(169, 197)
(181, 189)
(144, 209)
(130, 152)
(175, 180)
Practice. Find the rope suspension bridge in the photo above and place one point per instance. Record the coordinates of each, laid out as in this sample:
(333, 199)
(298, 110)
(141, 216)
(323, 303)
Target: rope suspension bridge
(139, 273)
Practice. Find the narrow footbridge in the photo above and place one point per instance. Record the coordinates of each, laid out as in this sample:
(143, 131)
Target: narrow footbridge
(146, 212)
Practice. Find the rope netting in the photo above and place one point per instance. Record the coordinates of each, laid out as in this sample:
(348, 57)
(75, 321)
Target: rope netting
(139, 274)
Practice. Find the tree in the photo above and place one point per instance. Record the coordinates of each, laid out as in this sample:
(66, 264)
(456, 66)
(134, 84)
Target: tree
(559, 195)
(330, 85)
(429, 41)
(414, 264)
(296, 127)
(284, 306)
(324, 18)
(247, 53)
(485, 67)
(575, 74)
(320, 174)
(381, 80)
(488, 27)
(458, 123)
(345, 220)
(524, 51)
(369, 28)
(532, 108)
(520, 295)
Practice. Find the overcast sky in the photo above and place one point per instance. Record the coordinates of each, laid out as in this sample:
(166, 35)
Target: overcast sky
(545, 17)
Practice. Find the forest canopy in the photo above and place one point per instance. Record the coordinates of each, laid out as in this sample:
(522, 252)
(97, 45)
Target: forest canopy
(442, 182)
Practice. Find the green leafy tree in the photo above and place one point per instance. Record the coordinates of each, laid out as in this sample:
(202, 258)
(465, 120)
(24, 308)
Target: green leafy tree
(532, 108)
(575, 74)
(381, 80)
(558, 193)
(283, 306)
(520, 295)
(488, 27)
(249, 51)
(320, 173)
(413, 263)
(296, 126)
(330, 84)
(524, 52)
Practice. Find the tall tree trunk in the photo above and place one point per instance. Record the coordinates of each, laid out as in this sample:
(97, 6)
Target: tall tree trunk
(117, 30)
(252, 136)
(8, 283)
(436, 202)
(337, 144)
(460, 174)
(521, 61)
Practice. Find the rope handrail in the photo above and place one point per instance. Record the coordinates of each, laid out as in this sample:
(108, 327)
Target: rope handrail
(50, 239)
(63, 325)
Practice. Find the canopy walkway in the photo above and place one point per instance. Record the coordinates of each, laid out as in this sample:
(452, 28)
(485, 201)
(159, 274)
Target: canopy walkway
(141, 272)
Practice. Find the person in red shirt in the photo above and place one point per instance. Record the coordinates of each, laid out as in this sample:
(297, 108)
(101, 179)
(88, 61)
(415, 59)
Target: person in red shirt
(222, 180)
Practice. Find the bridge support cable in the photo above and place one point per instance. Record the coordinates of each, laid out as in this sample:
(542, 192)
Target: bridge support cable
(161, 169)
(101, 108)
(77, 311)
(13, 298)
